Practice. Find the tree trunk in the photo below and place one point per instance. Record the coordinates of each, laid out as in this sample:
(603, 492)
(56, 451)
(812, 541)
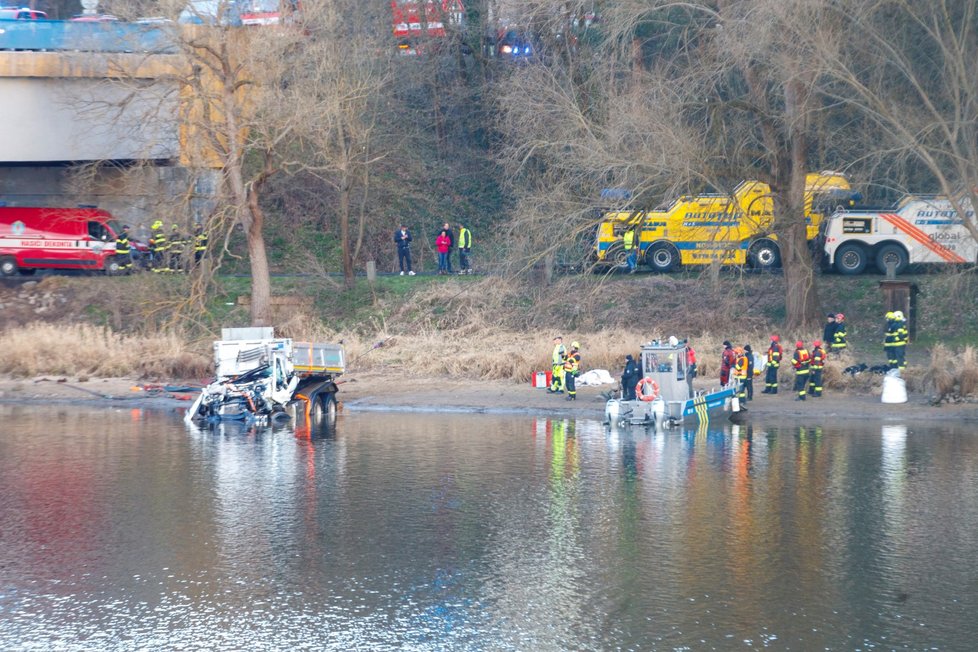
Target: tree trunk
(261, 282)
(801, 295)
(346, 245)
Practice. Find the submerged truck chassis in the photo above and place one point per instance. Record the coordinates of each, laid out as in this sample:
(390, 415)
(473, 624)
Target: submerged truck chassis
(259, 378)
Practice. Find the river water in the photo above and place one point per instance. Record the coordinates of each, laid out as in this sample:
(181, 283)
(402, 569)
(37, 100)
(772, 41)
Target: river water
(124, 530)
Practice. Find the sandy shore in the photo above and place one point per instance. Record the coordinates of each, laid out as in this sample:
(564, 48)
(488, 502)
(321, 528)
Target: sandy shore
(384, 392)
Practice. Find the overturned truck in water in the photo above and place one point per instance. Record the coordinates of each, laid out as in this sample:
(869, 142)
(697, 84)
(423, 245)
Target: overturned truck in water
(261, 378)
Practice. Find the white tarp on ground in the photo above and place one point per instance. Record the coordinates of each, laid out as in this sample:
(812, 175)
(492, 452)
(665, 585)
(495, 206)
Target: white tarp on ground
(595, 377)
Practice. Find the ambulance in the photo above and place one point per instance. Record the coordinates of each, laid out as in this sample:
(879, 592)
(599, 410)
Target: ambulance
(33, 238)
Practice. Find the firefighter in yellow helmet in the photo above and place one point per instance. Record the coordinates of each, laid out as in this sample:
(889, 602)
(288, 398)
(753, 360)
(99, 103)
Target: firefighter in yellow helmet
(158, 246)
(572, 367)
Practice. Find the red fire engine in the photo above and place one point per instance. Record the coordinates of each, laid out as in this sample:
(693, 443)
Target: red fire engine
(267, 12)
(413, 19)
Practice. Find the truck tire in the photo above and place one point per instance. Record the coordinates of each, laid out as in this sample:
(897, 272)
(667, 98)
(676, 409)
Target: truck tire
(764, 255)
(112, 267)
(851, 258)
(892, 253)
(8, 266)
(616, 258)
(662, 257)
(323, 409)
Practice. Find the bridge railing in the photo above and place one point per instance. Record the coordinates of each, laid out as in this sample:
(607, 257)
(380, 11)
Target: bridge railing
(61, 36)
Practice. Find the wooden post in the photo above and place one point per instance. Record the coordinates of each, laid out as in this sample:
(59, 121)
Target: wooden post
(902, 296)
(371, 270)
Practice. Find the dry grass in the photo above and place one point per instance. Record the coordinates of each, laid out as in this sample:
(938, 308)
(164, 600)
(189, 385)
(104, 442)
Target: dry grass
(79, 349)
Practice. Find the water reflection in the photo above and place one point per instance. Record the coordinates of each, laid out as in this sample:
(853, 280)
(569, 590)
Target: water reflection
(123, 529)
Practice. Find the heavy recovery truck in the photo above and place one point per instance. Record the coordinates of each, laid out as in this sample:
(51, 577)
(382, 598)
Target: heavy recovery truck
(918, 229)
(260, 378)
(734, 229)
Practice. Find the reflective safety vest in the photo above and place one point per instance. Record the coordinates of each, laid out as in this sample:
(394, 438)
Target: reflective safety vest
(818, 358)
(801, 360)
(900, 333)
(158, 240)
(740, 368)
(559, 354)
(200, 241)
(572, 364)
(774, 353)
(122, 244)
(464, 238)
(838, 337)
(629, 240)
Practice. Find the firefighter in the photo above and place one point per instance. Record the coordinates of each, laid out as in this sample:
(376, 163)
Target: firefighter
(557, 360)
(838, 341)
(200, 243)
(749, 381)
(727, 360)
(631, 255)
(801, 361)
(774, 353)
(817, 364)
(157, 244)
(176, 249)
(572, 367)
(740, 373)
(123, 250)
(889, 337)
(901, 337)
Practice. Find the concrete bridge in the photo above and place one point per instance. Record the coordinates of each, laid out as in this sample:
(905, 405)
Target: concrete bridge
(93, 93)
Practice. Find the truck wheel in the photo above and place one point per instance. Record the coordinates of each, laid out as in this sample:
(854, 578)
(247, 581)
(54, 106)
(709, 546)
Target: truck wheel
(112, 267)
(8, 266)
(893, 254)
(850, 259)
(662, 257)
(764, 255)
(617, 258)
(323, 409)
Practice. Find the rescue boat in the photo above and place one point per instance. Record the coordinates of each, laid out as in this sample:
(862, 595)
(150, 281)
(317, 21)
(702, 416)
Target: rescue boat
(665, 396)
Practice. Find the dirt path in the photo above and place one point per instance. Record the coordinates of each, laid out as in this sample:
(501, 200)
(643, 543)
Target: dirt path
(383, 392)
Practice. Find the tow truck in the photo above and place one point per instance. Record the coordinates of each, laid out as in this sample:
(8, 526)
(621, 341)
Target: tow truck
(260, 378)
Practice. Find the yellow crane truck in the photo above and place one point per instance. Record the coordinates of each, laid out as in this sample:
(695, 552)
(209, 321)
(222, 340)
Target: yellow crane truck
(734, 229)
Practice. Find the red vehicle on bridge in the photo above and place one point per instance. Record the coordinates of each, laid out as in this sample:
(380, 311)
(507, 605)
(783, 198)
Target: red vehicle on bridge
(33, 238)
(267, 12)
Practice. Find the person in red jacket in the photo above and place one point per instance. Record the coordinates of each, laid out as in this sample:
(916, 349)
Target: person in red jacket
(443, 244)
(727, 360)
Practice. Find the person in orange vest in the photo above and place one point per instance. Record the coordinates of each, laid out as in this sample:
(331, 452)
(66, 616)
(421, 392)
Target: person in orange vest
(774, 353)
(572, 367)
(818, 363)
(741, 369)
(801, 360)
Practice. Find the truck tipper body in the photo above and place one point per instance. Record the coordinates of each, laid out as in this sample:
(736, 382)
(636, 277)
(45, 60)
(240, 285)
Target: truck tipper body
(730, 229)
(259, 377)
(920, 229)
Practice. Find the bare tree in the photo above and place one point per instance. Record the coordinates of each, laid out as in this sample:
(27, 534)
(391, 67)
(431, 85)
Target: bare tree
(907, 70)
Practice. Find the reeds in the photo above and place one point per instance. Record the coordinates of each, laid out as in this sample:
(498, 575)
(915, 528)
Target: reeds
(81, 349)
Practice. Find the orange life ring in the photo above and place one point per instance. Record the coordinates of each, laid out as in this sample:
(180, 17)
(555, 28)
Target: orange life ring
(640, 389)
